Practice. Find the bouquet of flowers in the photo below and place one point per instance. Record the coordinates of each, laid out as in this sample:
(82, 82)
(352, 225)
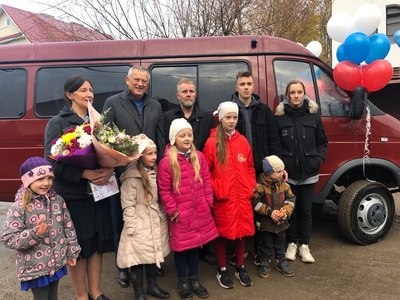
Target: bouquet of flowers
(75, 147)
(113, 147)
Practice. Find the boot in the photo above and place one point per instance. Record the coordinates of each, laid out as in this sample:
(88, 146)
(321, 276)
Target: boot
(197, 288)
(152, 288)
(263, 271)
(184, 290)
(137, 282)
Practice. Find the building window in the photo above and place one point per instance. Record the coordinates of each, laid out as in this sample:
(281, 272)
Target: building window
(8, 22)
(392, 20)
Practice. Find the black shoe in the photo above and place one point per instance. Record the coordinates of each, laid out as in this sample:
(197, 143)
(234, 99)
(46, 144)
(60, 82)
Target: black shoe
(101, 297)
(224, 279)
(137, 283)
(232, 261)
(197, 288)
(243, 277)
(283, 267)
(184, 290)
(264, 269)
(160, 272)
(256, 259)
(209, 258)
(152, 288)
(158, 292)
(123, 279)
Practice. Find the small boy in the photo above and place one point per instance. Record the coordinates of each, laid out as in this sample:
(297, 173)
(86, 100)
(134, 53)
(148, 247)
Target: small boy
(273, 202)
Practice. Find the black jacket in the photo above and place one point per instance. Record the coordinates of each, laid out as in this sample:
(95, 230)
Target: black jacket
(202, 122)
(67, 179)
(302, 134)
(265, 138)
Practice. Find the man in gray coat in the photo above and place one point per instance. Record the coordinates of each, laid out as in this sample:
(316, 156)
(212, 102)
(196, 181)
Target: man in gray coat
(135, 112)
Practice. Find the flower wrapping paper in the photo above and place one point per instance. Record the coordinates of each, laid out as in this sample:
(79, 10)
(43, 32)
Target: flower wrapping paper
(107, 157)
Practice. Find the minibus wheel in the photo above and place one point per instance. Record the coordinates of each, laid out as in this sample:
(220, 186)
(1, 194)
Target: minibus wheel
(365, 212)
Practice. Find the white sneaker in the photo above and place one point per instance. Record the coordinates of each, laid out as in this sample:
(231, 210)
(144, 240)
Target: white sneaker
(291, 251)
(304, 253)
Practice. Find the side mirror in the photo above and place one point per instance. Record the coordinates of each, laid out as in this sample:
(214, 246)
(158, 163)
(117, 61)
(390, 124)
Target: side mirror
(359, 103)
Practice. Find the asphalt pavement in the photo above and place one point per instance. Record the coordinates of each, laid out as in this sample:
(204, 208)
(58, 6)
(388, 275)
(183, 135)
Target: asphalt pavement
(342, 270)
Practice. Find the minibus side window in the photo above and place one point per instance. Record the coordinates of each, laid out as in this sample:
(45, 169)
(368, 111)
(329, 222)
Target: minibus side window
(49, 91)
(215, 82)
(320, 87)
(13, 83)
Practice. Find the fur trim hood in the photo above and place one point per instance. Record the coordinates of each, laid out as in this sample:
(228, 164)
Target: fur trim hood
(312, 107)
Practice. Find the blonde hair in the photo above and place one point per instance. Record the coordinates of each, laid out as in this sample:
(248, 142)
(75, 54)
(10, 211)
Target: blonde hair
(148, 192)
(26, 198)
(184, 81)
(176, 169)
(221, 145)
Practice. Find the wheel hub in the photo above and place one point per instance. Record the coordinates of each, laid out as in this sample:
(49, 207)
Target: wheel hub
(371, 214)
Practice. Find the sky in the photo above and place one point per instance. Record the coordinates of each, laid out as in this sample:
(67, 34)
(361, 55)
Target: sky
(28, 5)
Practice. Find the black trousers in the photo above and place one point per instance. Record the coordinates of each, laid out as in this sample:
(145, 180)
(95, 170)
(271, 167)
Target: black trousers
(271, 241)
(301, 219)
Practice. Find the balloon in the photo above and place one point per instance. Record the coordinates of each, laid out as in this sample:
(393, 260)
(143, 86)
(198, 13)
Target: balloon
(347, 75)
(396, 37)
(376, 75)
(366, 19)
(339, 27)
(380, 46)
(340, 55)
(356, 47)
(315, 48)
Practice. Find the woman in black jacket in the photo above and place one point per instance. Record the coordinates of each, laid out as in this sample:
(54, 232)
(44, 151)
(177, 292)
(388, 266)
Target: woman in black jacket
(304, 147)
(92, 220)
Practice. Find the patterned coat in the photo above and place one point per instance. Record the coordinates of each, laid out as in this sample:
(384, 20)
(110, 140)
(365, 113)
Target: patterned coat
(233, 186)
(195, 226)
(274, 194)
(144, 238)
(40, 256)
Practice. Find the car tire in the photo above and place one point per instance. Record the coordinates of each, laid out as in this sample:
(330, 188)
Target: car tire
(365, 212)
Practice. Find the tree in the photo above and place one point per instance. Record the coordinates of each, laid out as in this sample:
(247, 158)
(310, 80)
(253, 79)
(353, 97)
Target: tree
(298, 20)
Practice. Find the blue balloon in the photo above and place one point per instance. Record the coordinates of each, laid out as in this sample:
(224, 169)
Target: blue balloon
(340, 55)
(380, 47)
(356, 47)
(396, 37)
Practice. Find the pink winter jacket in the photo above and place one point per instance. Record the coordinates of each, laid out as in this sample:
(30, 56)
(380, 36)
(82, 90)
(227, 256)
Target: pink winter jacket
(195, 226)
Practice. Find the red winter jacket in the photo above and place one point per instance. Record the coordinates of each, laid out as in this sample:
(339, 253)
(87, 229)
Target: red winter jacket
(195, 226)
(233, 186)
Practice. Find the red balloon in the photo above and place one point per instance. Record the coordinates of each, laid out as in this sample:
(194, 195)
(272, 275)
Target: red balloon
(347, 75)
(376, 75)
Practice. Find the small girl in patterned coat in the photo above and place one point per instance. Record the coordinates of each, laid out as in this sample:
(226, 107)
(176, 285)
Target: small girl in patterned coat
(39, 227)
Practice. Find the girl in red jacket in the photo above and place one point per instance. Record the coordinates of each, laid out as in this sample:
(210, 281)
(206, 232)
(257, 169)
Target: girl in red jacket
(186, 193)
(230, 160)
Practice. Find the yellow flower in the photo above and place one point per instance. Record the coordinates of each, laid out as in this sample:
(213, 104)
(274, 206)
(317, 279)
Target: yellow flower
(66, 138)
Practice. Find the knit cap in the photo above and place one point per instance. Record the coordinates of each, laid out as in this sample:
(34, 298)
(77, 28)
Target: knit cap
(35, 168)
(226, 108)
(176, 126)
(149, 145)
(272, 164)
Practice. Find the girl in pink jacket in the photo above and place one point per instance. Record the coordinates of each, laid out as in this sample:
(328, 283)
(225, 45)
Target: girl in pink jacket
(186, 193)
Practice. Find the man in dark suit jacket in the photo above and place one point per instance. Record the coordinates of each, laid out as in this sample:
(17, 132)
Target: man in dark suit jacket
(202, 122)
(136, 112)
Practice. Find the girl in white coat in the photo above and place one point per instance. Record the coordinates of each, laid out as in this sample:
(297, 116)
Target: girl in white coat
(144, 238)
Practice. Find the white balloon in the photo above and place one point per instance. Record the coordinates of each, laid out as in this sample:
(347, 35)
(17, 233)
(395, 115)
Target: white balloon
(300, 44)
(315, 48)
(366, 18)
(340, 26)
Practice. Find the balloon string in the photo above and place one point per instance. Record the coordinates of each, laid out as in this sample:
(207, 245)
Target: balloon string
(366, 146)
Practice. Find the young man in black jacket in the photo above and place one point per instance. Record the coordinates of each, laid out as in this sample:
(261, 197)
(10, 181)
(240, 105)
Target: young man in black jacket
(256, 122)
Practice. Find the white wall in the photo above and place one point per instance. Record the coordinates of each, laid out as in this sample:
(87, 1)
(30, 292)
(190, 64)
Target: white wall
(350, 8)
